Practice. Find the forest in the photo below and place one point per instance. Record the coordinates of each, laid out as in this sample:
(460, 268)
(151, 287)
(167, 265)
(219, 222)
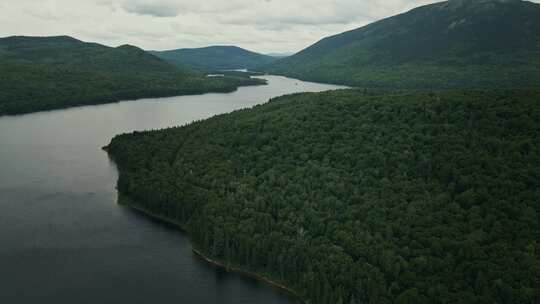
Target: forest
(429, 75)
(27, 87)
(45, 73)
(357, 196)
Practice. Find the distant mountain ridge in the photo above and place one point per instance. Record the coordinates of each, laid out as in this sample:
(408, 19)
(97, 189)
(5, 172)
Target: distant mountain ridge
(450, 44)
(216, 57)
(67, 50)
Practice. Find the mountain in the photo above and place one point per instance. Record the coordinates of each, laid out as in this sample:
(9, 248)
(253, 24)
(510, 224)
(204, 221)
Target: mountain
(355, 197)
(452, 44)
(64, 50)
(43, 73)
(216, 58)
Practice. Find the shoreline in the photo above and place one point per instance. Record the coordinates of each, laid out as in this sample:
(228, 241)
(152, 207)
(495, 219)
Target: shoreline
(135, 97)
(218, 264)
(154, 216)
(249, 274)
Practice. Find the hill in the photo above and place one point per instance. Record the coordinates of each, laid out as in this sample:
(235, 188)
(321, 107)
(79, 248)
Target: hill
(43, 73)
(216, 58)
(354, 197)
(452, 44)
(65, 50)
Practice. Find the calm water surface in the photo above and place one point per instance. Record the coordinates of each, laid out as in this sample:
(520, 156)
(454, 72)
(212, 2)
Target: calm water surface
(64, 239)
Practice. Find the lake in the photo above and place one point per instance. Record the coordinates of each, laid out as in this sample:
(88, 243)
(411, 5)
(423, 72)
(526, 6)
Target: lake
(64, 238)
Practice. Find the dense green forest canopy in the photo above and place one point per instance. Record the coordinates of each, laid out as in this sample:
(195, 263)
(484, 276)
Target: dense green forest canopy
(43, 73)
(216, 58)
(358, 197)
(452, 44)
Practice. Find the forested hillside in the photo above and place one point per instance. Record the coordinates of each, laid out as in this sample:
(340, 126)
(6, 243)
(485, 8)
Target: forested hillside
(216, 58)
(452, 44)
(43, 73)
(358, 197)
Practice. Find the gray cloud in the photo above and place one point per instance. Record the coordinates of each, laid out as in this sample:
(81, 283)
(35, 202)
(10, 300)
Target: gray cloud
(152, 10)
(171, 8)
(260, 25)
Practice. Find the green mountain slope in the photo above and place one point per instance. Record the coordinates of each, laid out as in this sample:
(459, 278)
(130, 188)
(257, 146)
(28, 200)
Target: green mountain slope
(216, 58)
(452, 44)
(349, 197)
(43, 73)
(91, 56)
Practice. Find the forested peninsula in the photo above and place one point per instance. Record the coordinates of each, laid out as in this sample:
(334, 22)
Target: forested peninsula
(357, 197)
(45, 73)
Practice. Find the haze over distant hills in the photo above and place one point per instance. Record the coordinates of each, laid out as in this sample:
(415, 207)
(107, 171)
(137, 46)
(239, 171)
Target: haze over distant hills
(280, 55)
(458, 43)
(42, 73)
(216, 58)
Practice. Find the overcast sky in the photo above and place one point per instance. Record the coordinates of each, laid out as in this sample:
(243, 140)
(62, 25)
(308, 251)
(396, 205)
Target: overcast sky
(260, 25)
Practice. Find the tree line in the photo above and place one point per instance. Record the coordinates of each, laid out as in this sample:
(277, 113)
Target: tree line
(28, 87)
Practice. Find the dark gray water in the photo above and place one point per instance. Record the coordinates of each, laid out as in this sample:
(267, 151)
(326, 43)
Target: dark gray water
(64, 239)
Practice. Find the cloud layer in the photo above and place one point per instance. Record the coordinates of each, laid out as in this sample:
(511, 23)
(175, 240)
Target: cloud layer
(260, 25)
